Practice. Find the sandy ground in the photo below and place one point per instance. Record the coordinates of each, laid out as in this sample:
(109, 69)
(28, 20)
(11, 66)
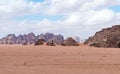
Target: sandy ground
(59, 60)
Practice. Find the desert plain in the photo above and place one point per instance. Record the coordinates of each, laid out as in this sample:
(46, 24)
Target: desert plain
(17, 59)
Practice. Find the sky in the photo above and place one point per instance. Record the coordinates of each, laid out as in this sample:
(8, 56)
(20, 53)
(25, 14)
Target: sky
(82, 18)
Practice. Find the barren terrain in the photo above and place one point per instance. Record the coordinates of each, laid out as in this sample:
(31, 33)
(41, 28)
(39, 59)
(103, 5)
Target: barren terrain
(59, 60)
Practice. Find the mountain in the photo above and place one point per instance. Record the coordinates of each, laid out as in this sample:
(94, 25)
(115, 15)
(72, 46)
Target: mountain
(108, 37)
(31, 38)
(9, 39)
(58, 39)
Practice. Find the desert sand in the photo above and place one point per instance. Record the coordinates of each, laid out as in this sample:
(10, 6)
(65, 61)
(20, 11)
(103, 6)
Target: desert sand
(17, 59)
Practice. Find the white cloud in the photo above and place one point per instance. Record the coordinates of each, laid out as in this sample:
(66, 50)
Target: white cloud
(98, 4)
(64, 6)
(101, 17)
(80, 17)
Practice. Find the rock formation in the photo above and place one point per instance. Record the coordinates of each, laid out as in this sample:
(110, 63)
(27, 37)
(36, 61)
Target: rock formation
(109, 37)
(58, 39)
(9, 39)
(50, 43)
(31, 38)
(70, 42)
(40, 42)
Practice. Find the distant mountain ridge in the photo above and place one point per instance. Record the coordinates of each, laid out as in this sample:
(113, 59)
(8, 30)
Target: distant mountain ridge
(31, 38)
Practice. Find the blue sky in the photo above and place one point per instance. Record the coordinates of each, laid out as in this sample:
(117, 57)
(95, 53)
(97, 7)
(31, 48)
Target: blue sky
(37, 0)
(69, 17)
(115, 8)
(39, 17)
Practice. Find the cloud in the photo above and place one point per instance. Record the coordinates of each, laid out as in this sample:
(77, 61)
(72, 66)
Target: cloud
(79, 17)
(101, 17)
(98, 4)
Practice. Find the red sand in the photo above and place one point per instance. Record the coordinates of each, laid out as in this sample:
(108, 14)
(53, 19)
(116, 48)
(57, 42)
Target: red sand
(59, 60)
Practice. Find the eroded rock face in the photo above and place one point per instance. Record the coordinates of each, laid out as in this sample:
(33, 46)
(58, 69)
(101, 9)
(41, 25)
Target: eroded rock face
(70, 42)
(58, 39)
(19, 39)
(42, 36)
(50, 43)
(9, 39)
(31, 38)
(40, 42)
(109, 37)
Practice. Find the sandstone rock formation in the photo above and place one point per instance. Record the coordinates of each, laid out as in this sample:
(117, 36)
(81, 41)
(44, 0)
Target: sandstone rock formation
(70, 42)
(31, 38)
(50, 43)
(109, 37)
(40, 42)
(9, 39)
(58, 39)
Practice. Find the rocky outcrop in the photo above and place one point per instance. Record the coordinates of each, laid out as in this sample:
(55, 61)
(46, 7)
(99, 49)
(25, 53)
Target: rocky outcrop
(40, 42)
(70, 42)
(50, 43)
(109, 37)
(31, 38)
(9, 39)
(58, 39)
